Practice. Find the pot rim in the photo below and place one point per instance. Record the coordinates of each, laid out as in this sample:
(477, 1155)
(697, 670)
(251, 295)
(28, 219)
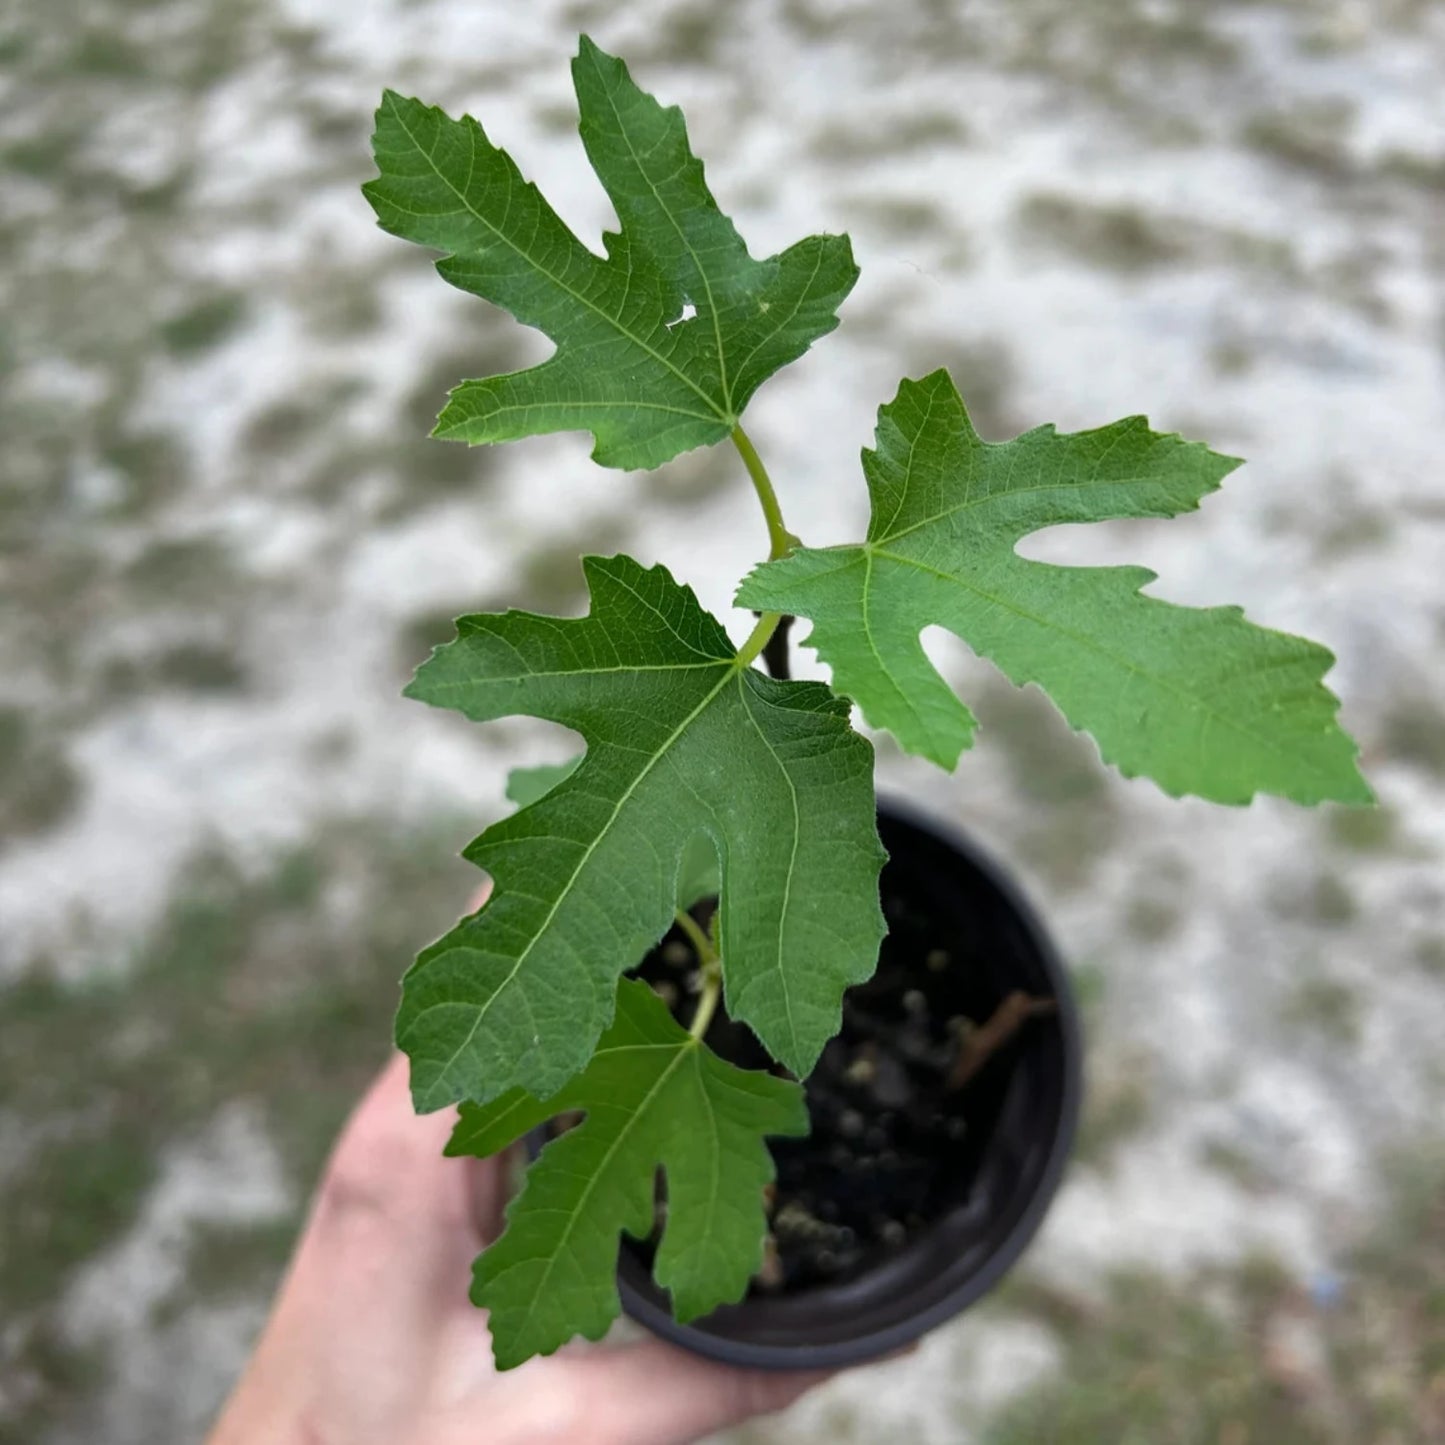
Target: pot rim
(890, 1339)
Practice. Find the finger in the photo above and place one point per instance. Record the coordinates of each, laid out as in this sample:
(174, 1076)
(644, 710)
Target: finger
(387, 1156)
(389, 1160)
(399, 1220)
(389, 1197)
(653, 1394)
(381, 1267)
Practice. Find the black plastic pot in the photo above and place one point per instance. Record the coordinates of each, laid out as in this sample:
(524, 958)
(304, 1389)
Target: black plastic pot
(944, 897)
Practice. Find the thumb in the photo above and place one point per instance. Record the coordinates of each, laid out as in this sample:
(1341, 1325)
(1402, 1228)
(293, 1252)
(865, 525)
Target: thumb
(653, 1394)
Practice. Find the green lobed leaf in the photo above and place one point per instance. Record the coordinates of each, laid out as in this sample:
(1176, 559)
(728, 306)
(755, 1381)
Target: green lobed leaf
(681, 739)
(647, 381)
(697, 875)
(1198, 699)
(529, 785)
(654, 1098)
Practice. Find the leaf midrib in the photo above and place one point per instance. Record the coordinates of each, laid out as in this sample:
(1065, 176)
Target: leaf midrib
(704, 1225)
(572, 404)
(666, 362)
(458, 684)
(684, 1048)
(969, 503)
(788, 877)
(681, 236)
(1084, 641)
(731, 671)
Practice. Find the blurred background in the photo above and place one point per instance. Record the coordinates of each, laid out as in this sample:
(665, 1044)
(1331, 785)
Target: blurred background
(225, 540)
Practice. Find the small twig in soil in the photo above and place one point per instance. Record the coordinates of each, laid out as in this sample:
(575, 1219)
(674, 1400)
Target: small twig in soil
(980, 1043)
(770, 1272)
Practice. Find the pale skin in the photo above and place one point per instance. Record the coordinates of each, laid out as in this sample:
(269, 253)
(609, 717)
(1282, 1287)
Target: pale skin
(373, 1341)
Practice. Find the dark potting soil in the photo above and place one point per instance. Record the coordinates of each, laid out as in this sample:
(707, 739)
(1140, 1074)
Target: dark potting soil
(893, 1144)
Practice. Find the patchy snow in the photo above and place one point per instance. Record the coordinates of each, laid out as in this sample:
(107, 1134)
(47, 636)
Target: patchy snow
(1301, 331)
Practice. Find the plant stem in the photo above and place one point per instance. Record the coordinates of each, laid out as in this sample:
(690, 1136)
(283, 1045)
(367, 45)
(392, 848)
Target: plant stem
(707, 1002)
(711, 966)
(701, 943)
(781, 541)
(757, 639)
(775, 654)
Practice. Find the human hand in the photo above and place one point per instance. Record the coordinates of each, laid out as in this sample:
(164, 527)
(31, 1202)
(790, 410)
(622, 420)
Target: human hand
(372, 1340)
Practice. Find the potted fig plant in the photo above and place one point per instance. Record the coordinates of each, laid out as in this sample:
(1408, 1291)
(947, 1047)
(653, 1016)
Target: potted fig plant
(781, 1112)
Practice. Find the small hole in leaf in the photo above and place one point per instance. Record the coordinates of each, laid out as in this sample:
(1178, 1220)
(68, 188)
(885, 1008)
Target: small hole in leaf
(687, 313)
